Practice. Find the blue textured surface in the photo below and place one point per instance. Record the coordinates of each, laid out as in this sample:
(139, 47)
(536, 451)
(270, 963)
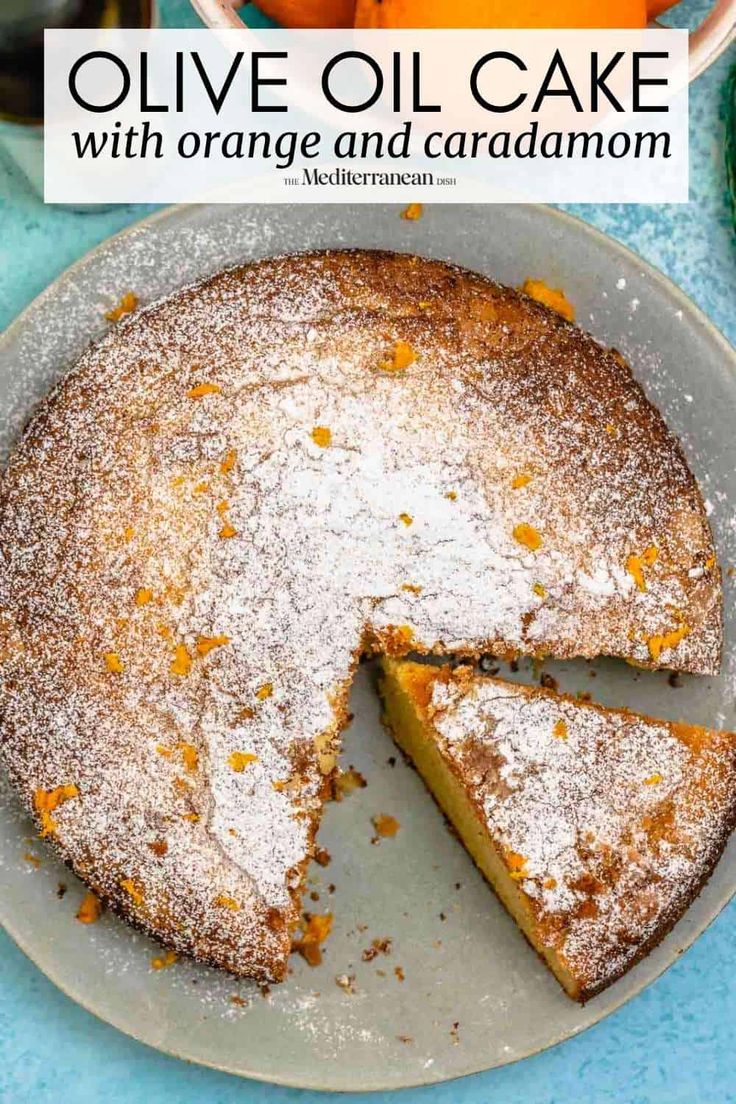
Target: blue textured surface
(675, 1043)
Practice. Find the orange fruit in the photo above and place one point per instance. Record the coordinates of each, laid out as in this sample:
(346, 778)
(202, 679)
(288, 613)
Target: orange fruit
(309, 13)
(502, 13)
(656, 7)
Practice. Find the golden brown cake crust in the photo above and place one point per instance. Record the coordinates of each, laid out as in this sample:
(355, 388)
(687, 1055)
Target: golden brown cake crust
(611, 822)
(242, 486)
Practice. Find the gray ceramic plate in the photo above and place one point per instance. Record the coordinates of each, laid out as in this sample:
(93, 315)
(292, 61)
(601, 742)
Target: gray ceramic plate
(474, 995)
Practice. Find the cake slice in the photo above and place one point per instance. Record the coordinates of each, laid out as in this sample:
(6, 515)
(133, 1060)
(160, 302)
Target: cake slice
(595, 827)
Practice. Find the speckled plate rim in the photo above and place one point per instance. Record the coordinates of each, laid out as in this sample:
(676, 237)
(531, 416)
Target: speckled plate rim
(694, 316)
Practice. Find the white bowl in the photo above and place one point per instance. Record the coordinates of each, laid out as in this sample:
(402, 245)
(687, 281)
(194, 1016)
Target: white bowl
(707, 41)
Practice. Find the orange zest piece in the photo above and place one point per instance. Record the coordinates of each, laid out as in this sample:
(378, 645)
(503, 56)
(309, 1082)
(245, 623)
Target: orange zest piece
(517, 865)
(239, 760)
(46, 801)
(201, 488)
(539, 590)
(322, 436)
(413, 212)
(560, 730)
(162, 962)
(127, 304)
(385, 825)
(452, 495)
(528, 536)
(128, 534)
(134, 890)
(90, 909)
(227, 902)
(227, 530)
(658, 644)
(143, 597)
(264, 691)
(653, 779)
(205, 644)
(403, 355)
(554, 298)
(411, 588)
(521, 480)
(635, 570)
(635, 565)
(346, 782)
(189, 754)
(203, 389)
(114, 664)
(181, 664)
(228, 463)
(407, 519)
(314, 932)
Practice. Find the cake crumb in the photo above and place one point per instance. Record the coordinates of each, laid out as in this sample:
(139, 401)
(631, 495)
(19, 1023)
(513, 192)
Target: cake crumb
(378, 946)
(346, 982)
(386, 826)
(346, 782)
(315, 929)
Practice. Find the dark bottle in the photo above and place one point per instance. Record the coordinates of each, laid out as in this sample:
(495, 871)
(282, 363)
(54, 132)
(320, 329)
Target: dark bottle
(22, 24)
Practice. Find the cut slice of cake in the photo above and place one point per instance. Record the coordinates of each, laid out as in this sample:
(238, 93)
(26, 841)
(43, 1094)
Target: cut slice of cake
(595, 827)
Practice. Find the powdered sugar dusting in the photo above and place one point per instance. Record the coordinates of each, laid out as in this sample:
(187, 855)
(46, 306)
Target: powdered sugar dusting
(614, 820)
(402, 530)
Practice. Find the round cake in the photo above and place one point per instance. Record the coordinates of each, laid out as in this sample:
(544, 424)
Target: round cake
(247, 486)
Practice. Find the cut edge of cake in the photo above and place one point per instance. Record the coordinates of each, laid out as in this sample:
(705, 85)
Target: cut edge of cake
(409, 697)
